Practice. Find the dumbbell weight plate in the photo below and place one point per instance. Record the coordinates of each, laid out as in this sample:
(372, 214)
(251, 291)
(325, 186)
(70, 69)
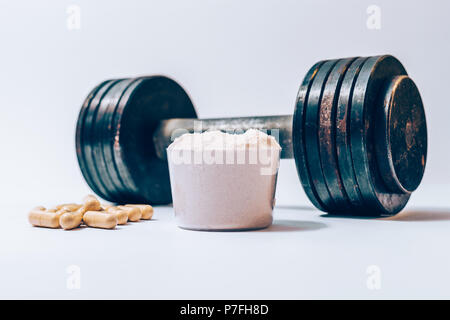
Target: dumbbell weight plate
(343, 149)
(79, 135)
(312, 138)
(102, 121)
(87, 146)
(89, 141)
(144, 103)
(326, 132)
(402, 135)
(298, 136)
(108, 139)
(375, 72)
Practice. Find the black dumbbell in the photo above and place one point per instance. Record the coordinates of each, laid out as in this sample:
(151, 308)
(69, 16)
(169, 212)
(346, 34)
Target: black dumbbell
(358, 136)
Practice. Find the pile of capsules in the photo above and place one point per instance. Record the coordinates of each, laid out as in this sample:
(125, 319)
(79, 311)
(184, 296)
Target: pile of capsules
(92, 213)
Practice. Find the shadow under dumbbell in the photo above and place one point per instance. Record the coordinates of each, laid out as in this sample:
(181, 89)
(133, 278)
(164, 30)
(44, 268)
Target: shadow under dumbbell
(294, 225)
(421, 214)
(344, 216)
(418, 214)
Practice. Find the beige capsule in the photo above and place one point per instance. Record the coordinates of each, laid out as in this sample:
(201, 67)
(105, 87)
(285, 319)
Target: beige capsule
(40, 217)
(69, 206)
(91, 203)
(146, 210)
(122, 215)
(100, 219)
(134, 214)
(72, 219)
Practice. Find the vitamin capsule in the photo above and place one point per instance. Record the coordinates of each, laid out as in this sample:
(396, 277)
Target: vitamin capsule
(134, 214)
(100, 219)
(40, 217)
(69, 206)
(91, 203)
(146, 210)
(72, 219)
(122, 215)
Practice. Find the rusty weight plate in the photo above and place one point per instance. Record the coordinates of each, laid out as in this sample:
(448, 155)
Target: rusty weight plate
(89, 141)
(144, 103)
(343, 148)
(326, 133)
(401, 136)
(298, 136)
(312, 138)
(105, 166)
(79, 142)
(375, 73)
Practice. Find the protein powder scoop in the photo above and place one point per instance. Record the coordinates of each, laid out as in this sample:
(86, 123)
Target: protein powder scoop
(223, 181)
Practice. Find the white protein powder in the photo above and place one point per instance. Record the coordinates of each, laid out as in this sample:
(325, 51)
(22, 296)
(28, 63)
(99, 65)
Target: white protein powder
(223, 181)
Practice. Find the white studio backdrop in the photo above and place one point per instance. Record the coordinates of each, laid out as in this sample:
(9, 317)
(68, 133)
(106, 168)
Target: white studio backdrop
(235, 58)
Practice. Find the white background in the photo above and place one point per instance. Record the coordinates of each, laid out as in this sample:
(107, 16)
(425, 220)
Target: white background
(235, 58)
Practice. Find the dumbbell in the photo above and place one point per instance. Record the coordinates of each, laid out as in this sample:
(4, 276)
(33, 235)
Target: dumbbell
(358, 136)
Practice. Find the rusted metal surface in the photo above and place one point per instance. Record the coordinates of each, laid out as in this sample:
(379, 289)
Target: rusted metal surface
(401, 140)
(312, 138)
(100, 137)
(298, 136)
(351, 179)
(375, 72)
(99, 186)
(343, 148)
(326, 133)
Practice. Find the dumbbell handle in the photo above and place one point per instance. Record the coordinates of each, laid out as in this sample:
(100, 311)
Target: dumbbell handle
(275, 125)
